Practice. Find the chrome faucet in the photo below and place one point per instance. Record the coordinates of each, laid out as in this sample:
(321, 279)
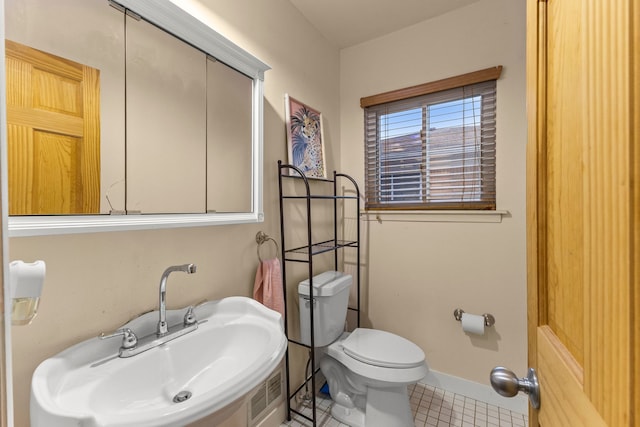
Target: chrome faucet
(162, 323)
(131, 345)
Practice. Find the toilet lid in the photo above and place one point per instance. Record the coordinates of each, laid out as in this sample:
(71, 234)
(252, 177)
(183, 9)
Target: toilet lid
(382, 348)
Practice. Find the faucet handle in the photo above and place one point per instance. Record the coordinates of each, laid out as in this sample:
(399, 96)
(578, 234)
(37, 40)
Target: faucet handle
(129, 339)
(189, 317)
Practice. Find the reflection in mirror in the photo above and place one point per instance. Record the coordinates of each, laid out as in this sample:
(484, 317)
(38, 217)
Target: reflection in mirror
(173, 90)
(166, 122)
(53, 133)
(229, 132)
(50, 169)
(191, 143)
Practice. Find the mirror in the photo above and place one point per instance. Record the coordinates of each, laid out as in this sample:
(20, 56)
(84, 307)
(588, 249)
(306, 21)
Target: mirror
(180, 115)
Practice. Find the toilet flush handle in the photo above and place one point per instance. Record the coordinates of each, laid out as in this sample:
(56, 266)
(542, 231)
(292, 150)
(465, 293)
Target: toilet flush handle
(307, 301)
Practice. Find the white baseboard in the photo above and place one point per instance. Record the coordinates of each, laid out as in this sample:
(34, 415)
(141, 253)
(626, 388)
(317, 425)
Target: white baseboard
(477, 391)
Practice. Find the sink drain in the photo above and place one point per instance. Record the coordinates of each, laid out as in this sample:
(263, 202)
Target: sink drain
(182, 396)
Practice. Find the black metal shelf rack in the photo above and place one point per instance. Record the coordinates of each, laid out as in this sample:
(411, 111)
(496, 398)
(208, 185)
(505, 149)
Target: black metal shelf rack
(305, 254)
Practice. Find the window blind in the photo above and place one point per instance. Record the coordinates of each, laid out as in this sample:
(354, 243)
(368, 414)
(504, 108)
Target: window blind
(435, 151)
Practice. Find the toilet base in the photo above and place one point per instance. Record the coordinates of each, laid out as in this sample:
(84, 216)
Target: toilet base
(352, 417)
(385, 407)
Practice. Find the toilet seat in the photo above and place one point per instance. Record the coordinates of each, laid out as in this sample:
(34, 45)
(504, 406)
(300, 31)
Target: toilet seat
(383, 349)
(371, 374)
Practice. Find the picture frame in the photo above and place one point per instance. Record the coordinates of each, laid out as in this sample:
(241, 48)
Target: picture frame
(305, 139)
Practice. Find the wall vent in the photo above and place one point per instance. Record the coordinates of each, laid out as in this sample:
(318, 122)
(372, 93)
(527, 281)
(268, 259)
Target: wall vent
(265, 397)
(258, 402)
(274, 387)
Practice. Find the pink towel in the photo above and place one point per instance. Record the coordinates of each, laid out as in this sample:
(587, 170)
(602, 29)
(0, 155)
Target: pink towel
(267, 288)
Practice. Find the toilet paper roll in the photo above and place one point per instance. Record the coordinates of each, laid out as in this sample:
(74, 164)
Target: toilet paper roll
(473, 323)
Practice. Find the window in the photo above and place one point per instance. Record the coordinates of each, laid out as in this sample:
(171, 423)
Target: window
(433, 146)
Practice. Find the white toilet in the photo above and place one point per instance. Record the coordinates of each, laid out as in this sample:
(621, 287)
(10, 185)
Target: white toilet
(367, 370)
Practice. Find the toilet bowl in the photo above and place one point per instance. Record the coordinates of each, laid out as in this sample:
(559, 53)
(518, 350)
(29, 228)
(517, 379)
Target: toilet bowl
(367, 370)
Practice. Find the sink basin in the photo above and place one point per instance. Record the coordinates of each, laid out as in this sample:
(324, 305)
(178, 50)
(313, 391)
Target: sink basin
(237, 344)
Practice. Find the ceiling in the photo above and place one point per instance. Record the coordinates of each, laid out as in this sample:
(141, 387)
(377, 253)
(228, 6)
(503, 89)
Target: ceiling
(349, 22)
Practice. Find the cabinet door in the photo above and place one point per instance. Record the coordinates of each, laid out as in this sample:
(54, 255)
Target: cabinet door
(229, 137)
(166, 122)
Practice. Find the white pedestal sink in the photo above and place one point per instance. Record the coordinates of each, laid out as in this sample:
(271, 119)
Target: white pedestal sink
(237, 344)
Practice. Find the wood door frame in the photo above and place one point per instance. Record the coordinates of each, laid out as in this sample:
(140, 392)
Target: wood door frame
(6, 392)
(536, 129)
(635, 164)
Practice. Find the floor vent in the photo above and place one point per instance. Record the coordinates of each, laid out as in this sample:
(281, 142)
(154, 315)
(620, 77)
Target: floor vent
(265, 396)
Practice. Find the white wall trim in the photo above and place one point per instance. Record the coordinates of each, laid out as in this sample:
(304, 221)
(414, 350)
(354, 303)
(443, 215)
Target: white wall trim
(24, 226)
(477, 391)
(6, 382)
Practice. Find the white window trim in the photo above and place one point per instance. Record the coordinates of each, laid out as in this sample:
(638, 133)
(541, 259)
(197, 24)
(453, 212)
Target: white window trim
(463, 216)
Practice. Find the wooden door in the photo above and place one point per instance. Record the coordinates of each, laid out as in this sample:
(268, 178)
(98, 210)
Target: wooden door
(53, 133)
(583, 204)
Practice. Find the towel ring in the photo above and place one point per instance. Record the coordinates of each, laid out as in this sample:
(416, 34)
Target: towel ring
(261, 238)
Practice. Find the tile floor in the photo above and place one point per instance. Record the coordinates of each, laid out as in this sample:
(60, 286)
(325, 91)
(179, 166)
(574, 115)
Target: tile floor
(432, 407)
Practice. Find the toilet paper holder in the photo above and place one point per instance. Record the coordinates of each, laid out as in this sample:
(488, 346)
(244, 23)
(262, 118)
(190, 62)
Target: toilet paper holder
(489, 320)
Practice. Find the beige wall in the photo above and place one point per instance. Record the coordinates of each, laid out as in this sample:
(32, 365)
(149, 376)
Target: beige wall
(96, 282)
(419, 272)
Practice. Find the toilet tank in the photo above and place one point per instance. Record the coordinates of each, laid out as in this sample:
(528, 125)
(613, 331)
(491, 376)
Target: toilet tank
(331, 299)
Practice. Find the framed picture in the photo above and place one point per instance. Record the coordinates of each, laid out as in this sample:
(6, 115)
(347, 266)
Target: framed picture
(305, 142)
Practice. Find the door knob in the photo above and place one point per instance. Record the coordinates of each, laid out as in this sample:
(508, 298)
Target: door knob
(507, 384)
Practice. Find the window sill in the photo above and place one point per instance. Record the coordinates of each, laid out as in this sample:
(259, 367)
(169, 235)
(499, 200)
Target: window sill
(435, 216)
